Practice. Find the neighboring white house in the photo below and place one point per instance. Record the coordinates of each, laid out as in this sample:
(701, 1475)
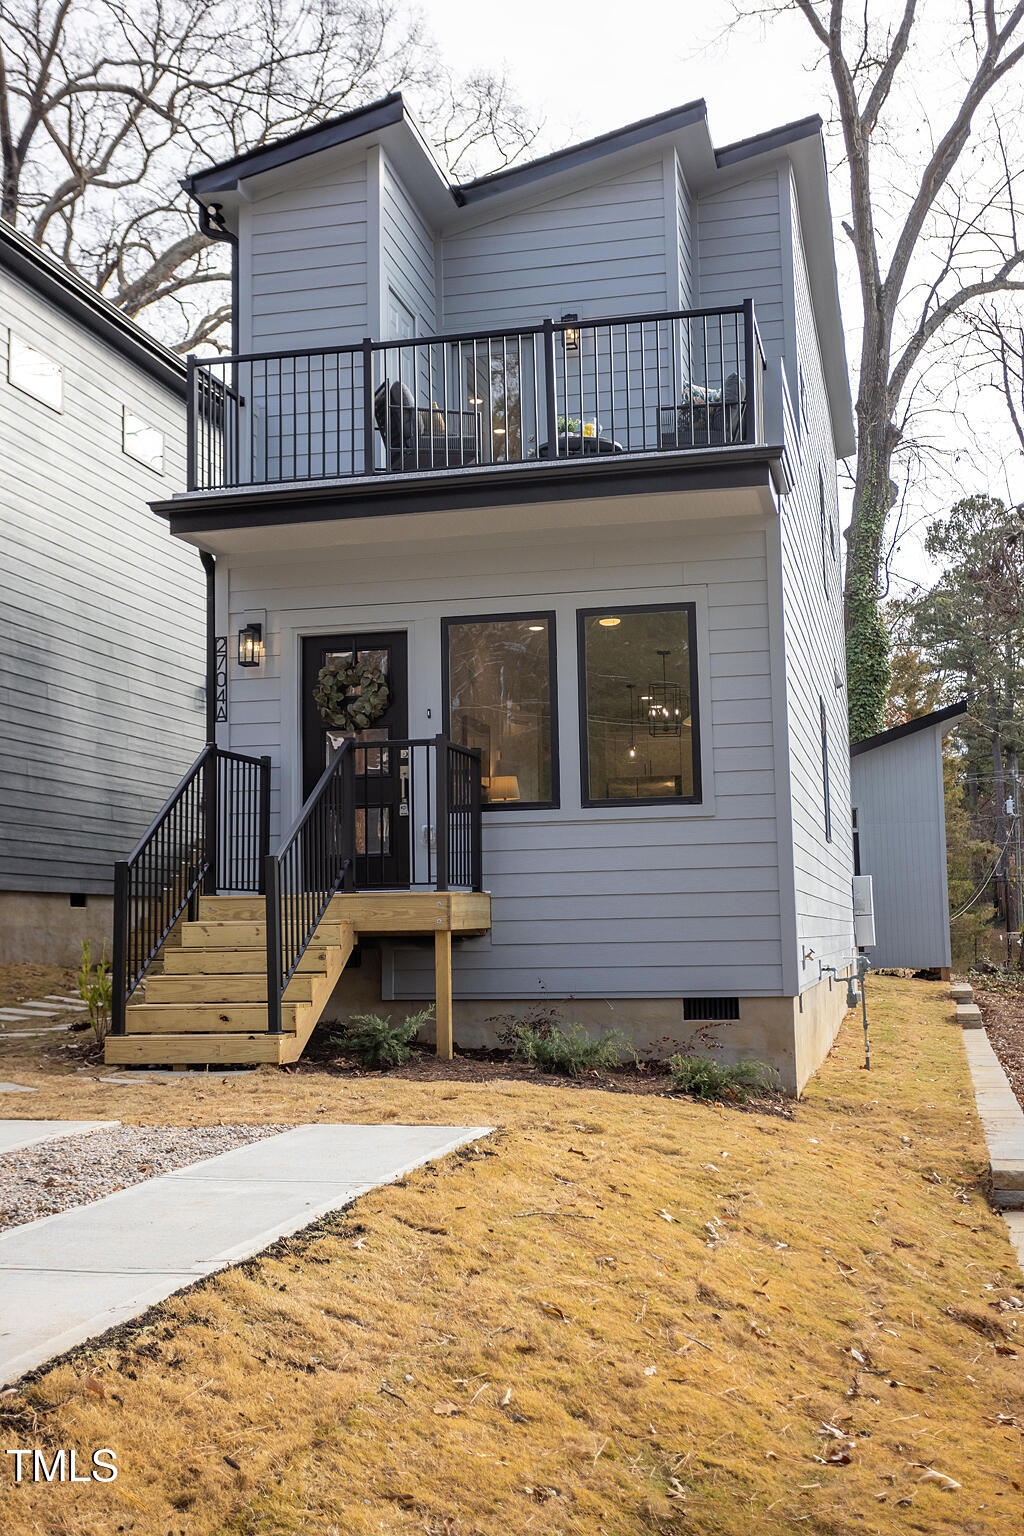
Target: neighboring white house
(101, 611)
(554, 452)
(899, 839)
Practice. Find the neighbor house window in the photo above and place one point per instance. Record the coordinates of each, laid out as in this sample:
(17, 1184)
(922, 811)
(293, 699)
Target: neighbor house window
(826, 791)
(142, 442)
(500, 697)
(638, 705)
(35, 373)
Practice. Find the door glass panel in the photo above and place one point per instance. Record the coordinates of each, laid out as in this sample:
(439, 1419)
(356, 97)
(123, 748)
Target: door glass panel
(373, 830)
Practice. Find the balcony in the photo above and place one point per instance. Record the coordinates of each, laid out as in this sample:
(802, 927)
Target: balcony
(651, 384)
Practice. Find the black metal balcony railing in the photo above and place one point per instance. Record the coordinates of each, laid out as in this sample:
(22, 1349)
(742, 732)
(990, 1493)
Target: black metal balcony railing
(630, 384)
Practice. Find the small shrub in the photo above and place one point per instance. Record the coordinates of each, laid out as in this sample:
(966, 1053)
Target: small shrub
(712, 1080)
(96, 989)
(379, 1043)
(569, 1051)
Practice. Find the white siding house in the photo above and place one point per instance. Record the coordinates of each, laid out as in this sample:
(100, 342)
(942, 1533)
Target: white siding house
(101, 611)
(596, 447)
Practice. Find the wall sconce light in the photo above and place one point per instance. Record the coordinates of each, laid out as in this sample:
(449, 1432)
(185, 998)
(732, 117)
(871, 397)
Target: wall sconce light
(250, 645)
(571, 333)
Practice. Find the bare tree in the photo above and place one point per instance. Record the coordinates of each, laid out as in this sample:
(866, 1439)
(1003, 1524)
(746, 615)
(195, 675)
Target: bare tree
(920, 96)
(105, 103)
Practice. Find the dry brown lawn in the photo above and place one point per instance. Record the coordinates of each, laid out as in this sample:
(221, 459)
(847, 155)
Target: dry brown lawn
(24, 983)
(621, 1315)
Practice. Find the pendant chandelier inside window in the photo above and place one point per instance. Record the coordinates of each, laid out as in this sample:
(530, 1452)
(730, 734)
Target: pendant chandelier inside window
(665, 704)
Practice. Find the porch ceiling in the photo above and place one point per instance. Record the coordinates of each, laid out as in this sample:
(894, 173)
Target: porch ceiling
(399, 507)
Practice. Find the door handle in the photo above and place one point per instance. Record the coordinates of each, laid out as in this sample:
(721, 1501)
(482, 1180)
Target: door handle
(403, 783)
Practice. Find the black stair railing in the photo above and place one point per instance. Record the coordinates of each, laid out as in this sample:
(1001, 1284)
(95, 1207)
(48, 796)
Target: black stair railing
(357, 831)
(211, 835)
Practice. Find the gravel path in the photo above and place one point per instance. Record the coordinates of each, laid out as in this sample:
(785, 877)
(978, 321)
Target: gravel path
(75, 1170)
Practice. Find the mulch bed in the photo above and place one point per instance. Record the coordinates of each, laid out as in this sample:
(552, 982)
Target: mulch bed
(490, 1066)
(1001, 1000)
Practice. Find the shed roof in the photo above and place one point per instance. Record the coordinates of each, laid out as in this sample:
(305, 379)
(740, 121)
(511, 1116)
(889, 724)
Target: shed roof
(946, 718)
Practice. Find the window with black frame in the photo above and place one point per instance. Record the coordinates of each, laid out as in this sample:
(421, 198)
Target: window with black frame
(640, 737)
(499, 675)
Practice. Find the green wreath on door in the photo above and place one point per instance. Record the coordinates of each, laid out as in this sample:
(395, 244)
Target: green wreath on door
(340, 708)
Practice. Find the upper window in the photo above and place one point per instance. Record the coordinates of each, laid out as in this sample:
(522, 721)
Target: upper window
(500, 697)
(826, 529)
(35, 373)
(638, 705)
(143, 442)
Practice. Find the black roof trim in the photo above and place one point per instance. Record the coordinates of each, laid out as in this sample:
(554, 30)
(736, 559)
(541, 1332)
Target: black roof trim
(226, 174)
(764, 143)
(48, 277)
(640, 132)
(388, 494)
(922, 723)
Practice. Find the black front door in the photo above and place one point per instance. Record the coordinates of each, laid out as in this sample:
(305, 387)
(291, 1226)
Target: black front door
(382, 810)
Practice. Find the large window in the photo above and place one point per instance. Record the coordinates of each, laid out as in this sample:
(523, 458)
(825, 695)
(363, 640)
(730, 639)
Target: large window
(500, 697)
(638, 705)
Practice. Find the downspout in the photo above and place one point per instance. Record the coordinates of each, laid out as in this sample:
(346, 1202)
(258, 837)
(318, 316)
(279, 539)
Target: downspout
(213, 226)
(210, 566)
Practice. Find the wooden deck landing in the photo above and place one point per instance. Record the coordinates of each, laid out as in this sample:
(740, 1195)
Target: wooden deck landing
(208, 1003)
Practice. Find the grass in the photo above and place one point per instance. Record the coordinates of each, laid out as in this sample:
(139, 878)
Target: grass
(25, 983)
(621, 1316)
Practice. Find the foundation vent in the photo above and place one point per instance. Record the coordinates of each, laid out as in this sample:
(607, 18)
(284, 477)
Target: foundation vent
(710, 1010)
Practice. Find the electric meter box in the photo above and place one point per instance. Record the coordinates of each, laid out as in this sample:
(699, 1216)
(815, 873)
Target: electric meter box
(863, 912)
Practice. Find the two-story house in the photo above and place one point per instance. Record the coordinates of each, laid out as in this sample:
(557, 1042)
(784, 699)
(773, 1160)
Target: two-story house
(522, 495)
(102, 658)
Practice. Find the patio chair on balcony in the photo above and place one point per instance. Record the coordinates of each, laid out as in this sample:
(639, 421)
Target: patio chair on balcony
(704, 417)
(425, 439)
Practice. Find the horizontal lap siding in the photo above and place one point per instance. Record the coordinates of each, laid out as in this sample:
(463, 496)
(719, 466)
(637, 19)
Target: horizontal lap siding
(595, 902)
(407, 253)
(898, 792)
(601, 248)
(740, 253)
(102, 613)
(814, 653)
(303, 264)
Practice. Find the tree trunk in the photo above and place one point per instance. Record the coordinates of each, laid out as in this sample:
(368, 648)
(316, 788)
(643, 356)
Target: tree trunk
(867, 643)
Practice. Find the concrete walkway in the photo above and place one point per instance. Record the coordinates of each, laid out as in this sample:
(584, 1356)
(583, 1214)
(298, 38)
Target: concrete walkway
(17, 1134)
(70, 1277)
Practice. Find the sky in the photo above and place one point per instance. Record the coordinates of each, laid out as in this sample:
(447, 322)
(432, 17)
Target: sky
(584, 69)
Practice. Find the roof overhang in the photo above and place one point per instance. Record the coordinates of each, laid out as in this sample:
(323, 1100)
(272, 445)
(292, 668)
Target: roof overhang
(668, 487)
(940, 720)
(52, 281)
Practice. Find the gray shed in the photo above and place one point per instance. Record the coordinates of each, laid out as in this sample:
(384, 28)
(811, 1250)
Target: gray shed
(899, 838)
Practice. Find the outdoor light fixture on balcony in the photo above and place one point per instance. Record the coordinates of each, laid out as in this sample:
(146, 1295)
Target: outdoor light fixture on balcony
(571, 333)
(664, 709)
(250, 645)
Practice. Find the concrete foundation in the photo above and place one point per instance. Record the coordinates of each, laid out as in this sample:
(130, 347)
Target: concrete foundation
(43, 928)
(791, 1034)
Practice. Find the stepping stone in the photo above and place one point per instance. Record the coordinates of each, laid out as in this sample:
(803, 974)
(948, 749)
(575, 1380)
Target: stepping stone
(962, 993)
(18, 1134)
(57, 997)
(38, 1008)
(16, 1088)
(968, 1016)
(68, 1277)
(190, 1074)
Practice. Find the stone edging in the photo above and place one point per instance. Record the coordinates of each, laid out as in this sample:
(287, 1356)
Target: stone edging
(1002, 1119)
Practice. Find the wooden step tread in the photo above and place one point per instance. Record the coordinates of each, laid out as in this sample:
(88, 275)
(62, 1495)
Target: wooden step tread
(201, 1050)
(202, 1018)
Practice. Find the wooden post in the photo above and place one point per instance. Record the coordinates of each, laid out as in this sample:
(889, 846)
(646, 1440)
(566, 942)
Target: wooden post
(443, 992)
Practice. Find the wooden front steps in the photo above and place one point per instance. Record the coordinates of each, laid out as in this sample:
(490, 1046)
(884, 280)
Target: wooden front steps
(205, 1003)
